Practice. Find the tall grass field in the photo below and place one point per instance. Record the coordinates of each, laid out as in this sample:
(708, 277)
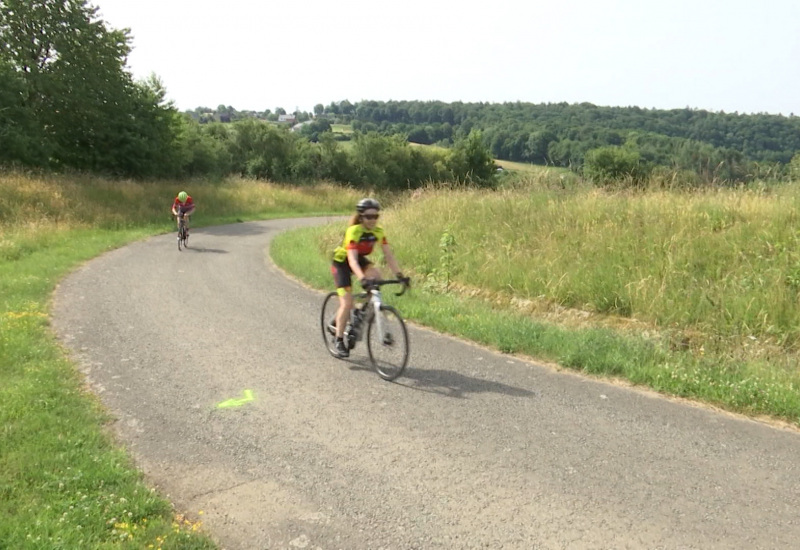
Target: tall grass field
(64, 482)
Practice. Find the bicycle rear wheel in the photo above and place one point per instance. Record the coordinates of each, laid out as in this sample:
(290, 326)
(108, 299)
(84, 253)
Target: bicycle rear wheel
(388, 351)
(330, 306)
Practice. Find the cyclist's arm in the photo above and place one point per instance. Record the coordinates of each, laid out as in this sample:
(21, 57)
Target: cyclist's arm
(387, 253)
(352, 260)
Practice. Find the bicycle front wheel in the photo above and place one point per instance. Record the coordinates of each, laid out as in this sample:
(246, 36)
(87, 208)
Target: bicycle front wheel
(180, 238)
(387, 343)
(328, 322)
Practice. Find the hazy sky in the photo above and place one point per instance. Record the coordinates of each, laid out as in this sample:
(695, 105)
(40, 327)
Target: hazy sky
(719, 55)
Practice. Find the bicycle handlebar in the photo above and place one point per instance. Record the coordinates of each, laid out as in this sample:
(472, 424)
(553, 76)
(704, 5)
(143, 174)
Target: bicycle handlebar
(380, 282)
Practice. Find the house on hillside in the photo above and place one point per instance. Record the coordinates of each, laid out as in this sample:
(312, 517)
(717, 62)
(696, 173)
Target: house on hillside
(289, 119)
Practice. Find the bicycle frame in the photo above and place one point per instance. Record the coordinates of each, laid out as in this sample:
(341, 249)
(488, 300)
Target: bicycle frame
(375, 300)
(182, 227)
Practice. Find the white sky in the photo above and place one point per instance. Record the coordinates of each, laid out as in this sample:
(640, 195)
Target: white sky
(719, 55)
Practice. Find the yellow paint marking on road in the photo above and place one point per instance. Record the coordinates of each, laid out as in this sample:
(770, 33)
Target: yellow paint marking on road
(228, 403)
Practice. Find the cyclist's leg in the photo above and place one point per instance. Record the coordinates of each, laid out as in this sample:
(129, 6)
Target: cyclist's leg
(187, 217)
(343, 314)
(343, 279)
(341, 274)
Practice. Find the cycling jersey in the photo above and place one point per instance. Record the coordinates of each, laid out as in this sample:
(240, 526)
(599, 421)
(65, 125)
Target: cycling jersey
(183, 206)
(359, 238)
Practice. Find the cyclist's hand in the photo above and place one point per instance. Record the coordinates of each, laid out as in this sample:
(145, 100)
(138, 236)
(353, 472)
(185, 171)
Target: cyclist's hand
(367, 283)
(403, 279)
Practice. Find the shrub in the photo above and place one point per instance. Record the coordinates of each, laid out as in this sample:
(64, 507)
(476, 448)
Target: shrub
(614, 164)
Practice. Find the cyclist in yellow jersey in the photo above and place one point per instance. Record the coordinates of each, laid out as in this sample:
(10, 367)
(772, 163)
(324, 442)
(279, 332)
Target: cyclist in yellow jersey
(350, 258)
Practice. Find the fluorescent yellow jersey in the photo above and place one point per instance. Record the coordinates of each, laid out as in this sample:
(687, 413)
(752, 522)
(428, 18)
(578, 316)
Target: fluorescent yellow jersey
(359, 238)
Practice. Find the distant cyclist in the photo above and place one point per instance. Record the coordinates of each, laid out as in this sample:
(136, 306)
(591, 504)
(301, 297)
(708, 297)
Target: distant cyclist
(184, 206)
(350, 259)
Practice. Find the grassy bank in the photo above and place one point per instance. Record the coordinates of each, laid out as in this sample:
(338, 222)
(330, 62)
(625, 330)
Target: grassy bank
(64, 483)
(691, 294)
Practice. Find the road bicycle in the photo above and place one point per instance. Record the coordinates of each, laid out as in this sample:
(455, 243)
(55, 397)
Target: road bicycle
(183, 232)
(386, 333)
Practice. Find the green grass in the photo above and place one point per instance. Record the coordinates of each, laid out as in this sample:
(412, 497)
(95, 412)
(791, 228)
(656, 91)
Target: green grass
(341, 129)
(527, 168)
(603, 283)
(64, 483)
(722, 263)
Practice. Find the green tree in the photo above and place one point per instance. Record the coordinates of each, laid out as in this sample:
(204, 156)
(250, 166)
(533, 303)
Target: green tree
(21, 139)
(334, 163)
(313, 130)
(537, 144)
(613, 164)
(346, 108)
(74, 94)
(471, 161)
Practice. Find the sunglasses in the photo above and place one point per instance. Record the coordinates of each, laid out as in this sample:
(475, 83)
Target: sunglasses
(370, 216)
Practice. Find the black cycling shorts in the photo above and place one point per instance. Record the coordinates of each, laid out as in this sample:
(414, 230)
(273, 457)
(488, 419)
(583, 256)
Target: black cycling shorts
(343, 275)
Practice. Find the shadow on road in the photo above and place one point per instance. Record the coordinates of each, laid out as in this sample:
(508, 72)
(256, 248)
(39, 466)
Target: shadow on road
(444, 382)
(206, 250)
(453, 384)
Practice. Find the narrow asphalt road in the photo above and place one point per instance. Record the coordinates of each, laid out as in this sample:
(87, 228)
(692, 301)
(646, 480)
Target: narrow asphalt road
(470, 449)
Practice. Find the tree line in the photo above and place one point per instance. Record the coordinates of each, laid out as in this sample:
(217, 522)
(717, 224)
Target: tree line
(602, 143)
(729, 146)
(67, 101)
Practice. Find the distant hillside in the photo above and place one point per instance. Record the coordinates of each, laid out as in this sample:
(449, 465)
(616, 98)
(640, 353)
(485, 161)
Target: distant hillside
(559, 132)
(717, 145)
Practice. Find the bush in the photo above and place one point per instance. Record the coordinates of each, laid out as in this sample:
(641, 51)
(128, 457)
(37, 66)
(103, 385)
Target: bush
(472, 162)
(614, 164)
